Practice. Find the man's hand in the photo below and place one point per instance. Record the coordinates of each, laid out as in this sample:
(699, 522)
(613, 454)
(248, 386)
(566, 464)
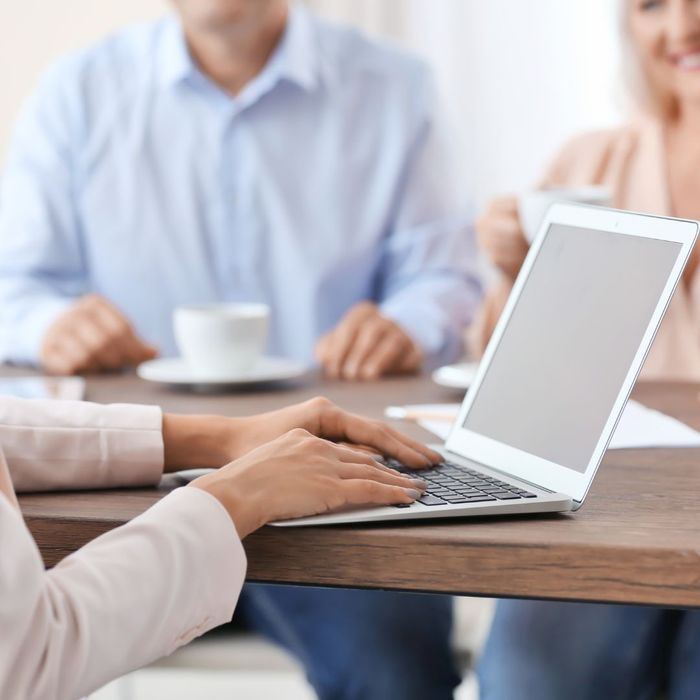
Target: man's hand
(90, 337)
(366, 345)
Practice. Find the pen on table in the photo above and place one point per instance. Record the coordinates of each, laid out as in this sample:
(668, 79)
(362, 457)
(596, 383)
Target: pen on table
(402, 413)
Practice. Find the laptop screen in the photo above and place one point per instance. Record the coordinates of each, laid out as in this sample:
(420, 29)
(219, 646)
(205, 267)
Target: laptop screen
(570, 341)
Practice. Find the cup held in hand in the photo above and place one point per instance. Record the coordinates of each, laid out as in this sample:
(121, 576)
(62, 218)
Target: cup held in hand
(533, 206)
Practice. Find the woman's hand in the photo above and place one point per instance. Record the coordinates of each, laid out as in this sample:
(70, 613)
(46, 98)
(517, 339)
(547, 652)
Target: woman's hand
(323, 418)
(300, 474)
(210, 441)
(500, 235)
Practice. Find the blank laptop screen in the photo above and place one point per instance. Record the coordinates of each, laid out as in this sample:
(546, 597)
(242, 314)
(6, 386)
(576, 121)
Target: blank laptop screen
(570, 341)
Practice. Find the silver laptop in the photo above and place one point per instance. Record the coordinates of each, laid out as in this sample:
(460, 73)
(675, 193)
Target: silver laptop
(560, 366)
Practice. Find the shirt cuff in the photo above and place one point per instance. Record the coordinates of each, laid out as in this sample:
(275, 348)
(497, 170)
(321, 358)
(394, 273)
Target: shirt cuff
(21, 341)
(426, 327)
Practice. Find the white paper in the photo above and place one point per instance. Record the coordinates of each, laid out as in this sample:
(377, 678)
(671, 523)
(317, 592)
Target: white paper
(639, 426)
(439, 428)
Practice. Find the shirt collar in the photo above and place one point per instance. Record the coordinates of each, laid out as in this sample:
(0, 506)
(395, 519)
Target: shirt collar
(174, 63)
(295, 58)
(297, 53)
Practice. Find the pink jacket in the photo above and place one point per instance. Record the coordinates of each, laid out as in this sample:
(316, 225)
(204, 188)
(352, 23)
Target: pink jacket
(630, 162)
(130, 596)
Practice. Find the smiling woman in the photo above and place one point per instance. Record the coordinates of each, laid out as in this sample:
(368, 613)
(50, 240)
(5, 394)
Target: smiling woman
(650, 164)
(661, 39)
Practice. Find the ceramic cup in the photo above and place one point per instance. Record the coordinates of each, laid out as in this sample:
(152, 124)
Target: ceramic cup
(221, 341)
(533, 206)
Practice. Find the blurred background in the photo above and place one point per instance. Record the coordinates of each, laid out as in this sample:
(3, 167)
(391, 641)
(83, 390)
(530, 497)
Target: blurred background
(551, 63)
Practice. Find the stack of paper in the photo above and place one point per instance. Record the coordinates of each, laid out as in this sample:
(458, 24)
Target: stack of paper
(639, 426)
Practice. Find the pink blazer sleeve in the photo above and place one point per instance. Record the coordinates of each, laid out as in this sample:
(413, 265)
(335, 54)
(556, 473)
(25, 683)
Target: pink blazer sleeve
(130, 596)
(52, 445)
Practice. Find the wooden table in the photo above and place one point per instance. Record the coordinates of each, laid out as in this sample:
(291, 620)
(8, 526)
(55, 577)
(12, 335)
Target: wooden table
(636, 540)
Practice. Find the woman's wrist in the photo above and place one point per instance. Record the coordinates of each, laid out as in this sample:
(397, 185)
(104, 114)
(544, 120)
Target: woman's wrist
(245, 510)
(200, 441)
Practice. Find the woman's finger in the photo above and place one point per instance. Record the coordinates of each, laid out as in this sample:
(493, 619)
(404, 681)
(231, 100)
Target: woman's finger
(417, 445)
(359, 492)
(339, 425)
(503, 230)
(378, 466)
(383, 476)
(372, 451)
(350, 455)
(389, 442)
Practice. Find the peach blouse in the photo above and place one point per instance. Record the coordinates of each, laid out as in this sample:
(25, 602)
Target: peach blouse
(130, 596)
(630, 162)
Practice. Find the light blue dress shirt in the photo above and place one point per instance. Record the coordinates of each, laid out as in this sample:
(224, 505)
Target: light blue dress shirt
(325, 182)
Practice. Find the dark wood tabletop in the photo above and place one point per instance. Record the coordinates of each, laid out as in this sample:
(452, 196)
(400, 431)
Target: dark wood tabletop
(636, 539)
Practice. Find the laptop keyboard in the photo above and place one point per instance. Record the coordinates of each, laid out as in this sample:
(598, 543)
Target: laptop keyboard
(450, 484)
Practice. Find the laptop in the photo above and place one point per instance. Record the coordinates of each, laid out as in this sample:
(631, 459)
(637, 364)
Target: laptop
(557, 373)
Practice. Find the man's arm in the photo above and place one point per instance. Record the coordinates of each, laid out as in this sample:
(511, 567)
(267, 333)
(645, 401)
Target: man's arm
(427, 287)
(41, 260)
(428, 281)
(46, 317)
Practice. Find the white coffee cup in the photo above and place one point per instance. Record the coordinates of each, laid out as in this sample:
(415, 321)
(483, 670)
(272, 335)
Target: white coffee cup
(220, 341)
(533, 206)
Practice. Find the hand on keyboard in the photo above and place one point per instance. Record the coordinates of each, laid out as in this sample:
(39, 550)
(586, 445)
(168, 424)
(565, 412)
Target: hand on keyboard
(450, 483)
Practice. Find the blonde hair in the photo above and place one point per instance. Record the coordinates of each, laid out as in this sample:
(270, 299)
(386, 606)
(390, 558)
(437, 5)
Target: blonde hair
(646, 94)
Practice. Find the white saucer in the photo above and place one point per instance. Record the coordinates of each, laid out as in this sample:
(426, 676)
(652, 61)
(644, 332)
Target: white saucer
(456, 376)
(175, 370)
